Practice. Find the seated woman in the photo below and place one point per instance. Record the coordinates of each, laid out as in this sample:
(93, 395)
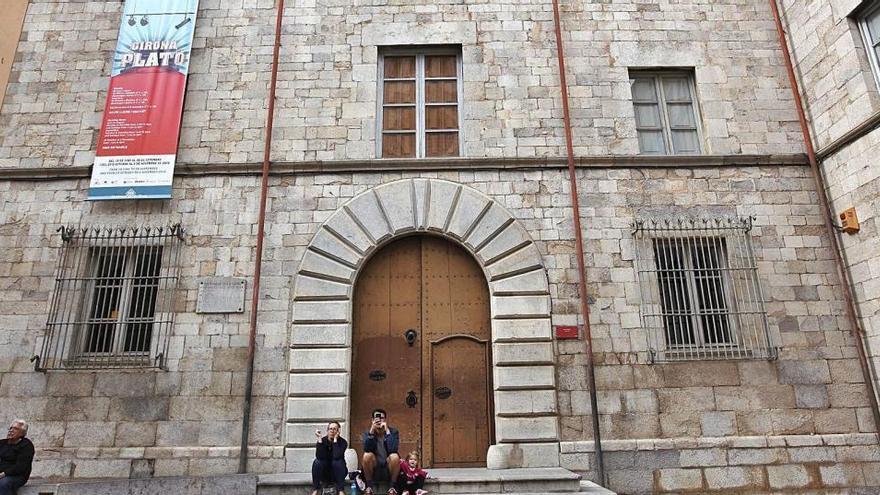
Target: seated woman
(329, 461)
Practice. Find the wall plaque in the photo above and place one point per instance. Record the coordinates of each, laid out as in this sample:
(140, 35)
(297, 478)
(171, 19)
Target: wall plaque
(221, 295)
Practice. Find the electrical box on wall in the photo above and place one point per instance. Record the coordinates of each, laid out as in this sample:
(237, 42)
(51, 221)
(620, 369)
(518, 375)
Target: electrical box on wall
(849, 222)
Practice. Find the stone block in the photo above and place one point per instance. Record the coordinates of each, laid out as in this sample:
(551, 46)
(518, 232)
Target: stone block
(703, 457)
(366, 209)
(679, 479)
(525, 259)
(70, 384)
(98, 468)
(523, 330)
(512, 238)
(397, 200)
(316, 263)
(304, 360)
(331, 247)
(439, 208)
(789, 476)
(728, 478)
(686, 399)
(491, 224)
(322, 409)
(505, 307)
(344, 227)
(329, 334)
(534, 282)
(696, 374)
(842, 475)
(536, 429)
(718, 424)
(310, 287)
(299, 459)
(804, 372)
(536, 353)
(89, 434)
(523, 377)
(317, 384)
(811, 396)
(124, 384)
(321, 311)
(525, 402)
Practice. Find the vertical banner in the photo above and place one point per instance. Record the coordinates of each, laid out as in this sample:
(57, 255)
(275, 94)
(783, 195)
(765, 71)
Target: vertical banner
(137, 146)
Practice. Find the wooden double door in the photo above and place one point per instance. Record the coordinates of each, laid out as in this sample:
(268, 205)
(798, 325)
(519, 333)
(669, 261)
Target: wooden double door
(422, 347)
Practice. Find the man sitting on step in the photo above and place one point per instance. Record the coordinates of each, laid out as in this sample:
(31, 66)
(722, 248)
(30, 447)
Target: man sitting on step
(381, 460)
(16, 457)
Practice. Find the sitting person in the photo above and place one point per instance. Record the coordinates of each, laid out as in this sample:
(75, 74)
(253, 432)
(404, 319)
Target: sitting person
(411, 480)
(381, 460)
(16, 458)
(329, 459)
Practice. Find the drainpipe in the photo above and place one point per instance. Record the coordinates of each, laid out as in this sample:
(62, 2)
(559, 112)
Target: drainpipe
(579, 246)
(261, 230)
(819, 181)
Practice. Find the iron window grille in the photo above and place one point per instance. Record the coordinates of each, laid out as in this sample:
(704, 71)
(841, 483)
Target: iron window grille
(113, 301)
(701, 297)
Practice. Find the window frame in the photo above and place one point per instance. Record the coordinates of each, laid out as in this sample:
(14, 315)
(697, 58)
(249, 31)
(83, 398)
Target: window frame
(692, 285)
(864, 31)
(419, 52)
(657, 76)
(126, 283)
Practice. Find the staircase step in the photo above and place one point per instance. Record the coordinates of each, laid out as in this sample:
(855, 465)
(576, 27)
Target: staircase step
(590, 487)
(458, 481)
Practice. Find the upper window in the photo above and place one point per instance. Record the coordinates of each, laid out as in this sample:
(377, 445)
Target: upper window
(666, 112)
(420, 95)
(112, 305)
(869, 22)
(701, 298)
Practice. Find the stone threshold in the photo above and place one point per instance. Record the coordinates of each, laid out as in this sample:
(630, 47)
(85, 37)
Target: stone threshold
(430, 164)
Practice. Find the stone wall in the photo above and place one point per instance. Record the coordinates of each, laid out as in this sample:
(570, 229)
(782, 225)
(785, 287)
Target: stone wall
(187, 418)
(327, 82)
(841, 92)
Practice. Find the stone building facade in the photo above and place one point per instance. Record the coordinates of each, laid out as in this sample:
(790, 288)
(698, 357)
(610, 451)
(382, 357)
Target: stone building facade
(797, 420)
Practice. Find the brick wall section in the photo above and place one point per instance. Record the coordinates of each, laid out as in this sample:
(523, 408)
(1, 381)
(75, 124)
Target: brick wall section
(193, 409)
(327, 84)
(840, 93)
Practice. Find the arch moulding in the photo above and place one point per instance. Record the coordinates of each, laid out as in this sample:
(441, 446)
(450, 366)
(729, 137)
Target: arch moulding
(522, 352)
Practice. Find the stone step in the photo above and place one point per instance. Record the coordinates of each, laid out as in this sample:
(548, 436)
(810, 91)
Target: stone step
(459, 481)
(590, 487)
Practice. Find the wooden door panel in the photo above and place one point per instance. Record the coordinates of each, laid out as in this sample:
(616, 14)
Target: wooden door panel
(460, 406)
(456, 430)
(437, 289)
(387, 304)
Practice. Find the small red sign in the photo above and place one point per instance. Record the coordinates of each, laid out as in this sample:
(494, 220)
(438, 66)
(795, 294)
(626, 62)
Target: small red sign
(566, 332)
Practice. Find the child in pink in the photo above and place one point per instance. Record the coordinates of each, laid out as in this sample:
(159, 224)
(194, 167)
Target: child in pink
(411, 480)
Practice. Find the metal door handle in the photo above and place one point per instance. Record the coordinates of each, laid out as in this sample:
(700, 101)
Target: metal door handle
(411, 399)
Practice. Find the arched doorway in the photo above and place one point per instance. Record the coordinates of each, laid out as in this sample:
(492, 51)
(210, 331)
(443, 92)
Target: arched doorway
(421, 350)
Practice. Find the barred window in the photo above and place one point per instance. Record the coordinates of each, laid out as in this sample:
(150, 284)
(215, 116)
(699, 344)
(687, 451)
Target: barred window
(112, 306)
(701, 298)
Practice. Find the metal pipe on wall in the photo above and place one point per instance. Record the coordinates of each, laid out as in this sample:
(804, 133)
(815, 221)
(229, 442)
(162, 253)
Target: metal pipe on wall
(261, 230)
(579, 246)
(836, 248)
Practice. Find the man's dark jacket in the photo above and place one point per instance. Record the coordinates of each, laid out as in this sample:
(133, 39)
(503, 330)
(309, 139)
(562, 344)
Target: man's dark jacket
(16, 460)
(392, 441)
